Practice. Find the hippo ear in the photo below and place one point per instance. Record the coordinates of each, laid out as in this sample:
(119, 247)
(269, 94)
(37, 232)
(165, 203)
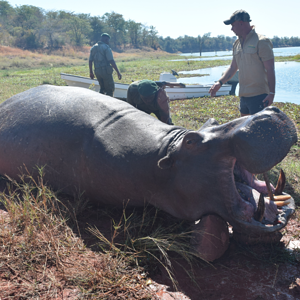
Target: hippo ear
(165, 163)
(191, 140)
(209, 123)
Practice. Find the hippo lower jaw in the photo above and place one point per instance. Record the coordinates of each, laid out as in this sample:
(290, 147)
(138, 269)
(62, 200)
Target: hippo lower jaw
(243, 212)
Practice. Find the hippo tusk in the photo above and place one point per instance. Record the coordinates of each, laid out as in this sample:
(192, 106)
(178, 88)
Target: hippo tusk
(259, 214)
(280, 198)
(280, 183)
(268, 186)
(283, 203)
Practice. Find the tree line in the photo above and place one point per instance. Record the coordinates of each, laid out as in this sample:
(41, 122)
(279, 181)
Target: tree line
(33, 28)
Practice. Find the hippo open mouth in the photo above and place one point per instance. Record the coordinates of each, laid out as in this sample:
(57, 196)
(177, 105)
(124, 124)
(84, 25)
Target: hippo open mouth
(271, 207)
(256, 152)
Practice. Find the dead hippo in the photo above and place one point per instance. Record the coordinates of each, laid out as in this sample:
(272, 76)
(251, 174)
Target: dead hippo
(113, 152)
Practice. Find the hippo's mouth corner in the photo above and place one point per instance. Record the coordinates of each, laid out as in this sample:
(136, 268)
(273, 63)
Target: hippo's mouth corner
(253, 212)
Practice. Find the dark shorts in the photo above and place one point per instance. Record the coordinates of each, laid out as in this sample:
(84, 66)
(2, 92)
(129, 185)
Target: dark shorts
(252, 105)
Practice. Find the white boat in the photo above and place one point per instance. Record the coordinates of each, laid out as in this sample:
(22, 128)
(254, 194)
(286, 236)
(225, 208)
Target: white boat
(190, 91)
(93, 84)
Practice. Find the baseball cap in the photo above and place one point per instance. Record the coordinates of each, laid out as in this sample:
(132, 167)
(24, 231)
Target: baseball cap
(239, 15)
(147, 87)
(105, 34)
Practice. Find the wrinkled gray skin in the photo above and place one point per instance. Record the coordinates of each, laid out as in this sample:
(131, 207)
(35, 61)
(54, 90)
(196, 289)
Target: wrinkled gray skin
(113, 152)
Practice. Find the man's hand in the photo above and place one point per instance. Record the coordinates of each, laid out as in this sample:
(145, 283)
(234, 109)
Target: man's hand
(92, 76)
(213, 90)
(268, 100)
(119, 75)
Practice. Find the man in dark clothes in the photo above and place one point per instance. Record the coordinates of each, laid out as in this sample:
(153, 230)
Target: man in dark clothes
(149, 96)
(104, 64)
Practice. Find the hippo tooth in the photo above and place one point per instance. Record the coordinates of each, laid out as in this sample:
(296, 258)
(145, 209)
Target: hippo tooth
(280, 197)
(259, 214)
(280, 183)
(282, 203)
(266, 178)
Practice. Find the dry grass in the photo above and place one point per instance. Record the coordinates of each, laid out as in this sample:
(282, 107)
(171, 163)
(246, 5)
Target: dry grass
(41, 257)
(14, 58)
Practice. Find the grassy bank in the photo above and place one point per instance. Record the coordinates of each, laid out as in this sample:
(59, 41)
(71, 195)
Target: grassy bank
(50, 243)
(21, 70)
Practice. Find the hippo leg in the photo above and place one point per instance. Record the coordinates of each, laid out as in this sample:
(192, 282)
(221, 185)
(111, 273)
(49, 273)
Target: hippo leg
(210, 237)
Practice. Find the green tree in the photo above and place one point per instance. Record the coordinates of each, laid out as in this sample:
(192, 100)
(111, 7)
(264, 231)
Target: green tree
(53, 29)
(98, 27)
(153, 37)
(6, 16)
(79, 29)
(27, 21)
(134, 31)
(28, 17)
(168, 44)
(116, 28)
(202, 41)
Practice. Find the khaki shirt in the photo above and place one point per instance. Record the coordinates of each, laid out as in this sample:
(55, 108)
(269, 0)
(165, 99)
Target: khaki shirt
(101, 54)
(249, 58)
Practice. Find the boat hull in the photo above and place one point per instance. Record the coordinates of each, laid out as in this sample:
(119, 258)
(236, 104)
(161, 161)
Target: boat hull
(191, 91)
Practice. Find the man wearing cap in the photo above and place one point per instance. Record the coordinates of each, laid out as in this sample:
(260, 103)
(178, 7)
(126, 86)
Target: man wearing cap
(150, 97)
(104, 64)
(253, 57)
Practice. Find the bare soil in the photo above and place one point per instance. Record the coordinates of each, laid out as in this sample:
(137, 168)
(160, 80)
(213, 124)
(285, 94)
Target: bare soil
(254, 272)
(259, 272)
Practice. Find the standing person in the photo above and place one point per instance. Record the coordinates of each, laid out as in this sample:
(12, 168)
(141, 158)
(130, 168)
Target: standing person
(104, 64)
(150, 97)
(253, 56)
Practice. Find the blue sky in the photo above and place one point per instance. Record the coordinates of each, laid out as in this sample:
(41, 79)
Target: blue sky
(178, 18)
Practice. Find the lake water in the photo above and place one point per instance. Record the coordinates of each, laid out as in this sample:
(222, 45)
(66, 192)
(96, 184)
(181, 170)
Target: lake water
(285, 51)
(287, 74)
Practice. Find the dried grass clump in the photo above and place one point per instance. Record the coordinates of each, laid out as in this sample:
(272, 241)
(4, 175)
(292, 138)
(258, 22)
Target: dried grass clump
(69, 51)
(41, 257)
(11, 52)
(151, 237)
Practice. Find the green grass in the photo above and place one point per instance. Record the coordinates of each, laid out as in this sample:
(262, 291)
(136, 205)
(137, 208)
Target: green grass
(18, 74)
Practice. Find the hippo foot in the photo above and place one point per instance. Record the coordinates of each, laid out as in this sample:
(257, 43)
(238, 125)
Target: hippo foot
(210, 237)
